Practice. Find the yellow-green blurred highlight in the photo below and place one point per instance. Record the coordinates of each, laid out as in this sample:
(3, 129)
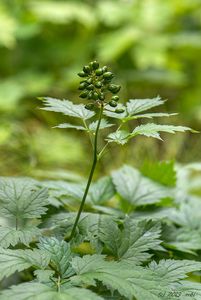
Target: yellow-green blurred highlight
(154, 47)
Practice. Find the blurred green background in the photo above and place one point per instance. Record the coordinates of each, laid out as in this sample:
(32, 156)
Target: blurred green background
(154, 47)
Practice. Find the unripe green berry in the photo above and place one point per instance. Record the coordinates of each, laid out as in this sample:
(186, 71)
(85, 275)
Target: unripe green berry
(113, 103)
(95, 65)
(87, 69)
(104, 69)
(84, 94)
(89, 106)
(99, 72)
(82, 74)
(82, 86)
(114, 88)
(108, 75)
(115, 98)
(90, 95)
(90, 87)
(98, 84)
(119, 110)
(89, 81)
(101, 96)
(95, 96)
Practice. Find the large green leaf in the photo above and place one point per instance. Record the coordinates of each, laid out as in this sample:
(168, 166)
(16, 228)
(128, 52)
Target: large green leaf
(186, 235)
(12, 236)
(60, 255)
(137, 238)
(39, 291)
(129, 281)
(20, 198)
(18, 260)
(136, 189)
(136, 106)
(102, 190)
(160, 171)
(152, 130)
(96, 228)
(67, 108)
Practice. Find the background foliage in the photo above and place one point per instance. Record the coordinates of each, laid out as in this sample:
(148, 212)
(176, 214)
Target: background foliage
(152, 45)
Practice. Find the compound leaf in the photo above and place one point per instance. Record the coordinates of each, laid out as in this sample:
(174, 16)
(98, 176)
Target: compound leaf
(18, 260)
(21, 198)
(10, 236)
(102, 190)
(136, 189)
(136, 106)
(120, 137)
(137, 238)
(39, 291)
(67, 108)
(60, 254)
(152, 130)
(129, 281)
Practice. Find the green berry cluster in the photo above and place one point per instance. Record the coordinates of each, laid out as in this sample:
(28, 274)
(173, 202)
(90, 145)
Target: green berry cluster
(96, 84)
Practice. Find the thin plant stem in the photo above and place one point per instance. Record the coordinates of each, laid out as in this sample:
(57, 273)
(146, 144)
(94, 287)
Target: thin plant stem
(95, 160)
(106, 145)
(88, 131)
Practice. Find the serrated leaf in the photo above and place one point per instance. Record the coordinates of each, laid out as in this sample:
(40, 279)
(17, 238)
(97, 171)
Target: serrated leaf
(97, 229)
(171, 270)
(120, 137)
(18, 260)
(152, 115)
(9, 236)
(68, 125)
(137, 238)
(141, 283)
(136, 189)
(186, 235)
(60, 255)
(102, 190)
(110, 111)
(39, 291)
(135, 106)
(71, 189)
(152, 130)
(43, 276)
(104, 124)
(20, 198)
(99, 192)
(67, 108)
(162, 172)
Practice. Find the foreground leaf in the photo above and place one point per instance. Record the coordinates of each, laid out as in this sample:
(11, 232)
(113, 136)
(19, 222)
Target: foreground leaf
(39, 291)
(60, 255)
(18, 260)
(129, 281)
(137, 239)
(11, 236)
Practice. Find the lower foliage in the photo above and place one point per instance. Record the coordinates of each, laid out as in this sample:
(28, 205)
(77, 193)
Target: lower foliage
(137, 239)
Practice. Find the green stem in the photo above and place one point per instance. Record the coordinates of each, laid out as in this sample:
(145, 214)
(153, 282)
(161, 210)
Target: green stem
(59, 284)
(95, 159)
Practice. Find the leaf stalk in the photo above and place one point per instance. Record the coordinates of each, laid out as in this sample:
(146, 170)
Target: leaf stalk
(95, 160)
